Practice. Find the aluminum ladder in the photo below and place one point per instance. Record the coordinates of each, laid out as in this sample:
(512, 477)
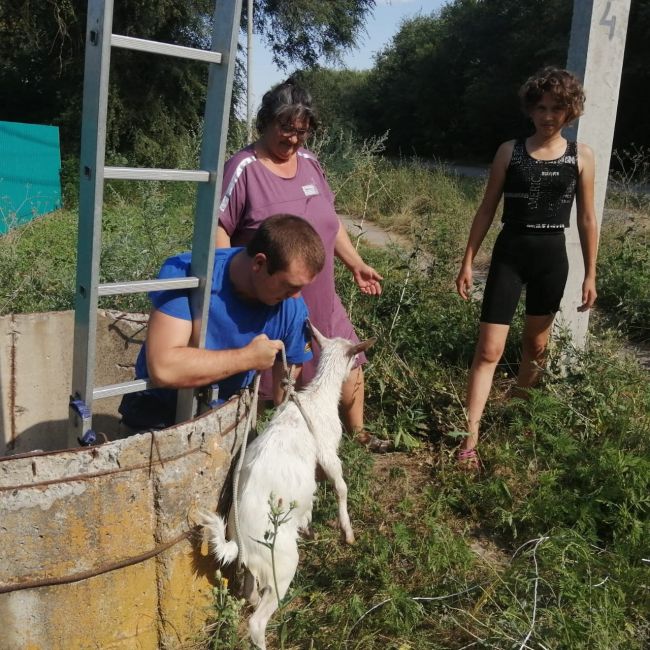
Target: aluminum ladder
(221, 60)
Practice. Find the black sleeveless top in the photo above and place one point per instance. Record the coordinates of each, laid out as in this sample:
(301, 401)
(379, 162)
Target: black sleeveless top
(538, 194)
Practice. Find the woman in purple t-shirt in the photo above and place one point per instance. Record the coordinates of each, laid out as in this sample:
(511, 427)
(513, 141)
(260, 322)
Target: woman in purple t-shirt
(276, 175)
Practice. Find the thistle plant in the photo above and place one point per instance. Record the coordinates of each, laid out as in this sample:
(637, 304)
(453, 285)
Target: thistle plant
(277, 517)
(223, 631)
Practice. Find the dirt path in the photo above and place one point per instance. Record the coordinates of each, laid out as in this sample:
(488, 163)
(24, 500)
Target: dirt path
(372, 234)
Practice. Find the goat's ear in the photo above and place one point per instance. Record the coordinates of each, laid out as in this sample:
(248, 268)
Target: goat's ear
(363, 346)
(320, 339)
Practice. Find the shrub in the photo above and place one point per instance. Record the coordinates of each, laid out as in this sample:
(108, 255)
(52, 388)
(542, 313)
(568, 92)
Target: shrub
(624, 275)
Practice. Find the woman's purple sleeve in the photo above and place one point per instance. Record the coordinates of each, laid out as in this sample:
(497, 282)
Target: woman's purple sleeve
(233, 194)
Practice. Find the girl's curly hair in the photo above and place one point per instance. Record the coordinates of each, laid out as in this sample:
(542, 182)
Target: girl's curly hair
(562, 84)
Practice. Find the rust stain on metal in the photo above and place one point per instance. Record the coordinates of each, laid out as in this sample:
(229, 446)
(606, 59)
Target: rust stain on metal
(22, 584)
(12, 385)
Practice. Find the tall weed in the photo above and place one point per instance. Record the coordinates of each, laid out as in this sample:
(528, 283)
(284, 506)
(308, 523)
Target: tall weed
(629, 178)
(624, 274)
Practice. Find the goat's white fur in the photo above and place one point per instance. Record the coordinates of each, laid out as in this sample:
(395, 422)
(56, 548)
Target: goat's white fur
(282, 462)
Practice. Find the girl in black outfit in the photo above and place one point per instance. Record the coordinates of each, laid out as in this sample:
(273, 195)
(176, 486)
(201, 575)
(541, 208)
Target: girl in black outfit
(539, 177)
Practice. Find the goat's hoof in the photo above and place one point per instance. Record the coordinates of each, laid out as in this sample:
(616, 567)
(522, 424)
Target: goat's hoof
(349, 538)
(307, 532)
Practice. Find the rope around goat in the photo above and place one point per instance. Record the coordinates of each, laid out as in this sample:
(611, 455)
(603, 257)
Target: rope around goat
(289, 384)
(240, 462)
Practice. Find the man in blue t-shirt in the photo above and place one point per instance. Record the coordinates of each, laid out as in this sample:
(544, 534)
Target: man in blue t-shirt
(255, 310)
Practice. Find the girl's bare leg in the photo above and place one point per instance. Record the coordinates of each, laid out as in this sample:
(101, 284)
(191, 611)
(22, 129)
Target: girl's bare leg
(537, 330)
(489, 349)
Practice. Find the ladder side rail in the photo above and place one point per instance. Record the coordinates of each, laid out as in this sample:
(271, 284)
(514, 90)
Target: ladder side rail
(226, 20)
(91, 196)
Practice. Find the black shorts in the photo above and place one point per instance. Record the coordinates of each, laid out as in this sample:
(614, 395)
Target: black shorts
(538, 261)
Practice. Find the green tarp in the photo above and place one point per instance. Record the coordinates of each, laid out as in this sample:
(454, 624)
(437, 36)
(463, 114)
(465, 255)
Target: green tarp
(30, 166)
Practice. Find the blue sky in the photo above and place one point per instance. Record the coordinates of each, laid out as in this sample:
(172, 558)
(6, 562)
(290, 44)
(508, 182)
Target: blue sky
(381, 26)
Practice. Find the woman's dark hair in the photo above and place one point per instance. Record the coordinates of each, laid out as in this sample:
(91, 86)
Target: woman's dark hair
(285, 237)
(562, 84)
(284, 104)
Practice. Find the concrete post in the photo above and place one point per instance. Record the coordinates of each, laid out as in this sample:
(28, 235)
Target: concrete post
(595, 55)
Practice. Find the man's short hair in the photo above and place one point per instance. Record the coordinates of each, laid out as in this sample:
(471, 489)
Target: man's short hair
(285, 237)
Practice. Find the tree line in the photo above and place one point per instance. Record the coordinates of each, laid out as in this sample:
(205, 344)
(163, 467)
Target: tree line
(153, 100)
(446, 86)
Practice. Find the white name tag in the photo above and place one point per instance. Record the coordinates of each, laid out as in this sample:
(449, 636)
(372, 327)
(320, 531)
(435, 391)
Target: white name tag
(310, 190)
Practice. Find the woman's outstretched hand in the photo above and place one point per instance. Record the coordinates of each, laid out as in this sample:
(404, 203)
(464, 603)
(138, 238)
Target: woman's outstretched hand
(464, 282)
(367, 279)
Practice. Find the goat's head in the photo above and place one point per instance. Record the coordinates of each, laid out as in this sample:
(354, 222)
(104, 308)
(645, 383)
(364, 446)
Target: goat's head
(338, 347)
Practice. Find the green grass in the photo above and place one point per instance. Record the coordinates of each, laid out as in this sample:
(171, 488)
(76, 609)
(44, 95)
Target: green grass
(142, 225)
(624, 274)
(548, 546)
(555, 528)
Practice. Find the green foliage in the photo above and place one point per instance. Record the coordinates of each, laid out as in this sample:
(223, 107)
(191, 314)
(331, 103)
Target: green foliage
(337, 95)
(563, 499)
(277, 517)
(629, 176)
(143, 223)
(447, 84)
(624, 274)
(582, 442)
(153, 100)
(223, 632)
(37, 265)
(303, 31)
(548, 544)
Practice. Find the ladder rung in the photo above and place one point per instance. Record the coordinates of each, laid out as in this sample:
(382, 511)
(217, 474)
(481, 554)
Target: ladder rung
(154, 47)
(121, 389)
(141, 174)
(139, 286)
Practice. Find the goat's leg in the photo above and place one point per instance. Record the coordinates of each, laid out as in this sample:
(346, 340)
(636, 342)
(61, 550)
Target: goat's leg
(334, 472)
(250, 589)
(257, 623)
(285, 569)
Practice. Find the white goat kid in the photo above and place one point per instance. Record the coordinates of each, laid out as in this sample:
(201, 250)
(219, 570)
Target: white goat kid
(281, 464)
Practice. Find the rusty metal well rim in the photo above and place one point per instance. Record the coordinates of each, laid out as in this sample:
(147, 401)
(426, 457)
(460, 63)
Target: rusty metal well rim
(74, 478)
(55, 452)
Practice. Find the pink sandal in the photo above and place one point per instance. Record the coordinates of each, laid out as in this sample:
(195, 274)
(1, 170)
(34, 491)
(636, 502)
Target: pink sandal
(468, 459)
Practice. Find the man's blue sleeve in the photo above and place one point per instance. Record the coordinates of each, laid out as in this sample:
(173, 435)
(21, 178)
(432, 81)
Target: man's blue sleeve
(297, 340)
(173, 303)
